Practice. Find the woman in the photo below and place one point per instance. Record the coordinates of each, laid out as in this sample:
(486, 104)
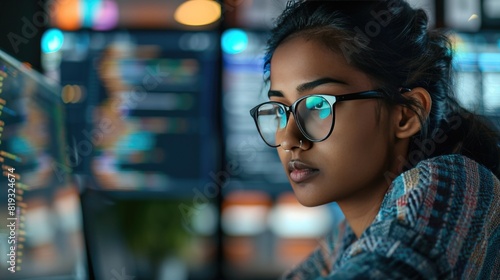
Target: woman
(362, 113)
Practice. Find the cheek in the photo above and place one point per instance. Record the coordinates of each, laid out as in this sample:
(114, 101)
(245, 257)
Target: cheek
(359, 144)
(354, 126)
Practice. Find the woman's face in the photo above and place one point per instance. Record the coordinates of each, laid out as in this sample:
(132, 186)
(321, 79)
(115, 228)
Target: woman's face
(352, 161)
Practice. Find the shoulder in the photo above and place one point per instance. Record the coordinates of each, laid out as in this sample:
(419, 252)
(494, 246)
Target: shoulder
(444, 212)
(439, 170)
(442, 192)
(439, 184)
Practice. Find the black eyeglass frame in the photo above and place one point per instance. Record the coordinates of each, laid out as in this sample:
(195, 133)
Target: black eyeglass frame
(332, 100)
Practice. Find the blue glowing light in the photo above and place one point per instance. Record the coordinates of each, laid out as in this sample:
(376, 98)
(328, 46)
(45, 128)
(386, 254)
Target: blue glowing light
(52, 40)
(90, 9)
(234, 41)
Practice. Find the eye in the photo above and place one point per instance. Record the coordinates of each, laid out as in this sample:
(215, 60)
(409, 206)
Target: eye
(280, 112)
(316, 102)
(281, 116)
(320, 105)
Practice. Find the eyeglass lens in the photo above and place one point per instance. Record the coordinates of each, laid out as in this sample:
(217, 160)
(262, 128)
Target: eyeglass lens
(314, 115)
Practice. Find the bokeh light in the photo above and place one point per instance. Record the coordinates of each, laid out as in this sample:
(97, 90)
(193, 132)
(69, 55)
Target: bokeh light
(198, 12)
(107, 16)
(52, 40)
(234, 41)
(67, 14)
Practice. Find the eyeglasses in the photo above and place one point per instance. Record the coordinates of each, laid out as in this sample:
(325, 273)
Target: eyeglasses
(313, 114)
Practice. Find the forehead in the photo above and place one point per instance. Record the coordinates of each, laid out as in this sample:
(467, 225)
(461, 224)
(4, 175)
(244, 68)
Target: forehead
(304, 51)
(298, 60)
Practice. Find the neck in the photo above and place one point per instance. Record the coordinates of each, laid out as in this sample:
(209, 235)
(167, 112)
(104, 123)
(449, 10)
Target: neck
(360, 211)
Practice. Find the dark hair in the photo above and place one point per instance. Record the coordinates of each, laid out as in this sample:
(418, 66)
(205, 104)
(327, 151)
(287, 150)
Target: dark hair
(390, 41)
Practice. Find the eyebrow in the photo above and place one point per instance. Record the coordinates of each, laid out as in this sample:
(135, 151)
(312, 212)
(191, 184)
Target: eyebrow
(307, 86)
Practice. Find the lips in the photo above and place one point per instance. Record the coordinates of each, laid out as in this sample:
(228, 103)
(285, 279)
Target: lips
(300, 172)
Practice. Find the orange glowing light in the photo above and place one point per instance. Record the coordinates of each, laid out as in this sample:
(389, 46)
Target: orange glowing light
(67, 14)
(198, 12)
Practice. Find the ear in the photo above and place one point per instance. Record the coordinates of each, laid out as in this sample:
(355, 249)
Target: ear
(407, 121)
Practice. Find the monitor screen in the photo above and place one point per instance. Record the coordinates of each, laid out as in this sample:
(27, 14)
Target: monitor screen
(147, 121)
(142, 117)
(39, 201)
(258, 165)
(477, 69)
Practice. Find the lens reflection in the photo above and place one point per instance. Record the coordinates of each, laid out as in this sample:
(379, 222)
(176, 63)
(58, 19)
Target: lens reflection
(272, 118)
(315, 117)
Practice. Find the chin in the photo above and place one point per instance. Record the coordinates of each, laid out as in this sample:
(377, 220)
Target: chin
(306, 195)
(309, 201)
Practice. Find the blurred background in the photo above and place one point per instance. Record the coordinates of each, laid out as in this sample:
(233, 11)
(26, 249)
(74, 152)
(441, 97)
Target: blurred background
(133, 152)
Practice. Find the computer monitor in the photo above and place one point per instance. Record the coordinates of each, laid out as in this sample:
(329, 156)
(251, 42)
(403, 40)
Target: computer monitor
(147, 118)
(39, 201)
(144, 125)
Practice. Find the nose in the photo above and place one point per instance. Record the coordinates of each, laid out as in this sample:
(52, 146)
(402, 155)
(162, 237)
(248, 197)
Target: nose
(292, 137)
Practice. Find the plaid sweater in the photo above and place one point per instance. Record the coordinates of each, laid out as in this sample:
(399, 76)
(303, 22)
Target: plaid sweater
(439, 220)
